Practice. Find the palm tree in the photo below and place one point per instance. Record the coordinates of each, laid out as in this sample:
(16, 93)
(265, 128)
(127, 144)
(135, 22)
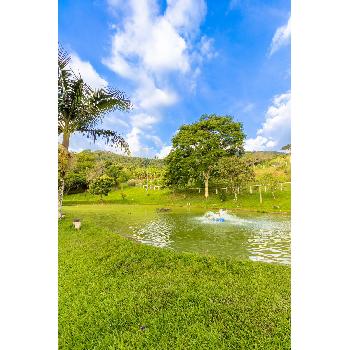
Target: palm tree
(82, 109)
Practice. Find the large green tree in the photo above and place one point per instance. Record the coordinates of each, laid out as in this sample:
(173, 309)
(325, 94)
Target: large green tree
(197, 148)
(81, 109)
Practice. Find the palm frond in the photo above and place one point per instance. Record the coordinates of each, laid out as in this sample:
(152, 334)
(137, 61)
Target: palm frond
(63, 57)
(111, 137)
(81, 108)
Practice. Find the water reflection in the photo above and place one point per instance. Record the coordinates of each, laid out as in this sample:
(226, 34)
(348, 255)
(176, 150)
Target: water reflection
(156, 233)
(254, 237)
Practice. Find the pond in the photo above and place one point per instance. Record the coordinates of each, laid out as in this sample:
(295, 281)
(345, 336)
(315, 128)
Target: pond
(244, 236)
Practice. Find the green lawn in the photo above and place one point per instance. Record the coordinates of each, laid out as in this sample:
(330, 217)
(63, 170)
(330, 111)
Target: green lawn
(117, 294)
(137, 195)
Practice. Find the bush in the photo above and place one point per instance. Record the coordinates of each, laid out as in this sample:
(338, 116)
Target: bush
(101, 186)
(75, 183)
(223, 196)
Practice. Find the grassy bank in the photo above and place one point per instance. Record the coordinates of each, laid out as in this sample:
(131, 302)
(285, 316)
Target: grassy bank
(164, 197)
(117, 294)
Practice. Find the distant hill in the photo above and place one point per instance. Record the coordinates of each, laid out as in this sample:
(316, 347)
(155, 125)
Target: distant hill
(126, 160)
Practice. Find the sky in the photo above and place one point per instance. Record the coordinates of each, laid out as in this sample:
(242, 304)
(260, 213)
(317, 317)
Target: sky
(179, 59)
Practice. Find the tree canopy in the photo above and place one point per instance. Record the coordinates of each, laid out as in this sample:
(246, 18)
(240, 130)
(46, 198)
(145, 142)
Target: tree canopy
(236, 171)
(198, 147)
(287, 147)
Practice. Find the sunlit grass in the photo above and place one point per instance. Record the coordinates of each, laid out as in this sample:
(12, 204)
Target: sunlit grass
(118, 294)
(165, 197)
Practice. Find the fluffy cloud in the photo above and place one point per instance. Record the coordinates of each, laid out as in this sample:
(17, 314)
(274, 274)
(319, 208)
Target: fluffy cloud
(133, 139)
(141, 125)
(87, 72)
(275, 131)
(143, 120)
(186, 15)
(281, 37)
(165, 150)
(151, 49)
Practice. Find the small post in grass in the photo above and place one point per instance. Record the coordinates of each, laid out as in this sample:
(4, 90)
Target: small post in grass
(77, 224)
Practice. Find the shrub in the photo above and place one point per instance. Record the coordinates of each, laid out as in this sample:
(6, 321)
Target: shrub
(223, 196)
(75, 183)
(101, 186)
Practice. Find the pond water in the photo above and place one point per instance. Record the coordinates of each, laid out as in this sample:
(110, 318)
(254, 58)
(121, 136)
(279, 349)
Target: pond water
(257, 237)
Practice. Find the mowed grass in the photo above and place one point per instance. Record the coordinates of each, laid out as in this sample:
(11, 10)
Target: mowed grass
(137, 195)
(117, 294)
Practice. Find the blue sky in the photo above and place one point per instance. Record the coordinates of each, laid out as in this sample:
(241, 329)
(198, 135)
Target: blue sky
(179, 59)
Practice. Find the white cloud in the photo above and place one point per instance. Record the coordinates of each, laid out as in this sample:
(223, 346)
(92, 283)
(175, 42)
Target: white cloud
(133, 139)
(165, 150)
(281, 37)
(87, 72)
(155, 139)
(259, 143)
(275, 131)
(186, 15)
(152, 49)
(149, 96)
(143, 120)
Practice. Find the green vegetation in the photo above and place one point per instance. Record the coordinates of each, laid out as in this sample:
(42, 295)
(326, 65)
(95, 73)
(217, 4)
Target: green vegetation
(81, 109)
(198, 147)
(117, 294)
(101, 186)
(235, 172)
(270, 170)
(166, 197)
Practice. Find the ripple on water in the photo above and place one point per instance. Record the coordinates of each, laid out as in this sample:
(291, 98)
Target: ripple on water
(260, 238)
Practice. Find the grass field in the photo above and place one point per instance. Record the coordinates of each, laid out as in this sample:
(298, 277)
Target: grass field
(137, 195)
(117, 294)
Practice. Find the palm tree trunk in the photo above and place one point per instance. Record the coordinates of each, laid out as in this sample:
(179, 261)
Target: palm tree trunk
(65, 144)
(60, 197)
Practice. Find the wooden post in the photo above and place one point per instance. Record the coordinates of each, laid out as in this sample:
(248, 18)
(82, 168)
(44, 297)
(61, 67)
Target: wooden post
(260, 194)
(281, 186)
(199, 190)
(250, 189)
(216, 191)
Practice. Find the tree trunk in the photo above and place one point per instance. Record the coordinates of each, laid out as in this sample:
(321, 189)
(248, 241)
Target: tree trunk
(60, 198)
(65, 141)
(206, 184)
(65, 144)
(260, 194)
